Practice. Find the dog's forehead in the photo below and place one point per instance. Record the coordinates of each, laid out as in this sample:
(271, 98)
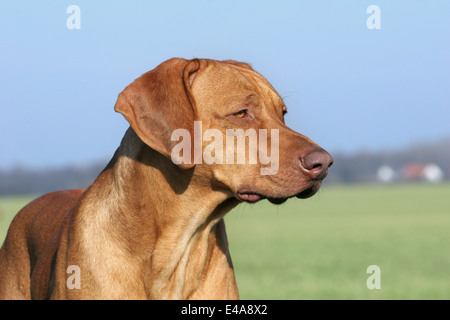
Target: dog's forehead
(218, 76)
(222, 79)
(260, 84)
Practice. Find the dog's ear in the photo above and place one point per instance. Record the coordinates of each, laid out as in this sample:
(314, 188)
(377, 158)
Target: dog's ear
(159, 102)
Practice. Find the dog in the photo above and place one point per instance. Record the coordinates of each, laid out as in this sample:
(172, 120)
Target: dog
(151, 226)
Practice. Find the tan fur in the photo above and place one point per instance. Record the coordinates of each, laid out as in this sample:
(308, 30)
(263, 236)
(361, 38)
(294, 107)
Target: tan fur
(147, 228)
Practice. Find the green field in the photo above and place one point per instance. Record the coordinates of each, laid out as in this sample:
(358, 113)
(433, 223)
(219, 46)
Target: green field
(320, 248)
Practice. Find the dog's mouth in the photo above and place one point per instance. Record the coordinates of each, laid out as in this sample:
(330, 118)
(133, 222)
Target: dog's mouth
(252, 197)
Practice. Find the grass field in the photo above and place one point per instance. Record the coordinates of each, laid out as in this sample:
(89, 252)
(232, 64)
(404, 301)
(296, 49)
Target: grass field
(320, 248)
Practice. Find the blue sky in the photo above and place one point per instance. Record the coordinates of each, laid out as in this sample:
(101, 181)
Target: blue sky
(346, 87)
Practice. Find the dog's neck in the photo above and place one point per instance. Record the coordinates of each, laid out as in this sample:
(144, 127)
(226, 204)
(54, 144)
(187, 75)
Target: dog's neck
(169, 218)
(150, 183)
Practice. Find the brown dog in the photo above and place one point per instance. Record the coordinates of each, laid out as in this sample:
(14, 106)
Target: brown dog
(151, 229)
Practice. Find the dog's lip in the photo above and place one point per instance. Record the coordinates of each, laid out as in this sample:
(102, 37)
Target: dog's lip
(309, 192)
(249, 196)
(253, 196)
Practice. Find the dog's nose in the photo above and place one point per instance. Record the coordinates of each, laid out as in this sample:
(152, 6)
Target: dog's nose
(316, 163)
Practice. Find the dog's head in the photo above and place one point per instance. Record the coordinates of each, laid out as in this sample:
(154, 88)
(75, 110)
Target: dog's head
(225, 121)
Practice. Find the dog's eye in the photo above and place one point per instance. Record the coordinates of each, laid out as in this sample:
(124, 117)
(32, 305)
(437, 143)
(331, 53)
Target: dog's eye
(240, 114)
